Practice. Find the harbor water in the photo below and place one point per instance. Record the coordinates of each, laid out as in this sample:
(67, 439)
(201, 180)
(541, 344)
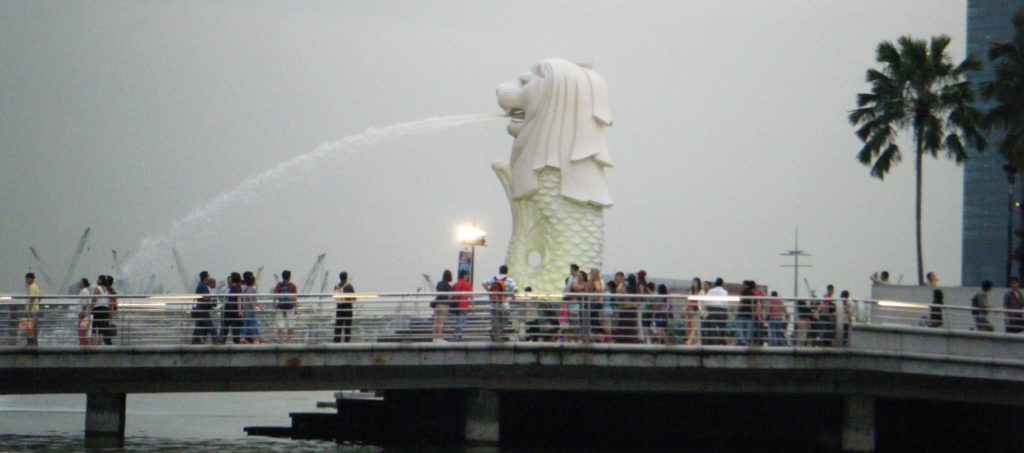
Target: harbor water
(165, 422)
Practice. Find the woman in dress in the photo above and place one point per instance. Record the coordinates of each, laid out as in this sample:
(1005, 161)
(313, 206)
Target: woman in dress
(84, 322)
(441, 305)
(693, 312)
(250, 323)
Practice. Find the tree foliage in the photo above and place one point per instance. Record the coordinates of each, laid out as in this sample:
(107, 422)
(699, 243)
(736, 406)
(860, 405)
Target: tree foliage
(916, 88)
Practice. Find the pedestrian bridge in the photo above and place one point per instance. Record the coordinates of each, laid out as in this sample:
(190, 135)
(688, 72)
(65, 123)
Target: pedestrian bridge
(877, 356)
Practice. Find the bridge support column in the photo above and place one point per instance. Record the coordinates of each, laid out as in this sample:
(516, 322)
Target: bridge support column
(858, 430)
(482, 418)
(104, 419)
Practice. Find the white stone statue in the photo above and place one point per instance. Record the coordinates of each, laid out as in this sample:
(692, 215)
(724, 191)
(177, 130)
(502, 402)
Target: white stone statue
(555, 177)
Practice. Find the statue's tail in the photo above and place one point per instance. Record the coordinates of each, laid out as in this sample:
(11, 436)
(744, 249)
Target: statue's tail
(552, 232)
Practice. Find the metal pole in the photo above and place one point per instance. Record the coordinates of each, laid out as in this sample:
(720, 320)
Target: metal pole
(796, 275)
(1011, 180)
(1009, 232)
(472, 266)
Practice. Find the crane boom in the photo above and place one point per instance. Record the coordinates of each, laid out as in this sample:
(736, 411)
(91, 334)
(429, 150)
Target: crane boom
(117, 264)
(259, 273)
(307, 284)
(810, 290)
(73, 264)
(323, 283)
(42, 269)
(182, 273)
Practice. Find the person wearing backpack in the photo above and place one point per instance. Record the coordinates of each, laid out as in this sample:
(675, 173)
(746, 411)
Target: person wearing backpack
(285, 307)
(501, 287)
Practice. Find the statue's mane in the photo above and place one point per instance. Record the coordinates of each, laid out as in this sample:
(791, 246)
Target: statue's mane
(572, 114)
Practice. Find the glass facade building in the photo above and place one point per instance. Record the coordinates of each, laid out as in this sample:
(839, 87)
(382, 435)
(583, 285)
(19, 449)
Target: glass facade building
(986, 203)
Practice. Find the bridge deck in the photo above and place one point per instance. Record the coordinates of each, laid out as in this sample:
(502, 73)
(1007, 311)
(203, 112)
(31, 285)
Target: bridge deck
(865, 367)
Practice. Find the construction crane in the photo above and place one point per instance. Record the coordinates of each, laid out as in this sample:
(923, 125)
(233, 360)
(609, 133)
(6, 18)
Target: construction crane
(186, 281)
(148, 289)
(810, 290)
(122, 282)
(42, 269)
(117, 264)
(73, 264)
(323, 283)
(307, 284)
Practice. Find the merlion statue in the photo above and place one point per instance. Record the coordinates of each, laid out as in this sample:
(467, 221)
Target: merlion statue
(555, 178)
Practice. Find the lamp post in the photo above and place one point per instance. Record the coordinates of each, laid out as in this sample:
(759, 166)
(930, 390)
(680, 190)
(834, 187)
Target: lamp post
(1011, 180)
(472, 237)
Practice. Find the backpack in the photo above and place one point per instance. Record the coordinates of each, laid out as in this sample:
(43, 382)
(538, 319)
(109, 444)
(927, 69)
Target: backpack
(285, 302)
(498, 289)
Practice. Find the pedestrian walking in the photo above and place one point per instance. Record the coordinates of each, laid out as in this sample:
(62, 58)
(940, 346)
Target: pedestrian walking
(28, 320)
(250, 310)
(201, 311)
(285, 307)
(979, 308)
(343, 310)
(441, 305)
(83, 321)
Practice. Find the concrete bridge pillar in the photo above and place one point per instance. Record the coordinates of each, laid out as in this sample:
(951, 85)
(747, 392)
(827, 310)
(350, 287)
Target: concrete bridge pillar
(482, 418)
(858, 429)
(104, 419)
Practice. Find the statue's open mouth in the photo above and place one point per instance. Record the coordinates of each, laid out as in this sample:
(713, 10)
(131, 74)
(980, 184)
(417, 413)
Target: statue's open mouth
(517, 114)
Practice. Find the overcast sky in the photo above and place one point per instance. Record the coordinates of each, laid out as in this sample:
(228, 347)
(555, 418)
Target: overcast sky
(730, 129)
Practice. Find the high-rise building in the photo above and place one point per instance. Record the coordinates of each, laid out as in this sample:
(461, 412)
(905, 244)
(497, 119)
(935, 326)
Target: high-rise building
(987, 206)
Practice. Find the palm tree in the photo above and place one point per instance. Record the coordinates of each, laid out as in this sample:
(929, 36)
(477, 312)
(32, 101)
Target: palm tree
(917, 87)
(1007, 113)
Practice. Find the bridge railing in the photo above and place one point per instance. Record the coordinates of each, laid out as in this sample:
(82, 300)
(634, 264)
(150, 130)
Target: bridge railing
(589, 318)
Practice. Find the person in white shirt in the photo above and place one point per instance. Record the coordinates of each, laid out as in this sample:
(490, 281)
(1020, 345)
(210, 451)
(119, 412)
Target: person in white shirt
(717, 305)
(84, 321)
(574, 270)
(502, 307)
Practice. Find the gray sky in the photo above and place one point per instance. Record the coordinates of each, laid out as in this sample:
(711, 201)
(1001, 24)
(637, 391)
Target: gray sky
(730, 129)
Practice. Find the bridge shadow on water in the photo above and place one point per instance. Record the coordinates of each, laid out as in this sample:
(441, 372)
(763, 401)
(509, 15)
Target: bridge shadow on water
(616, 421)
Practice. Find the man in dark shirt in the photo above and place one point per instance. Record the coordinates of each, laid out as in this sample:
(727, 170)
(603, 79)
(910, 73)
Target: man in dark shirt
(343, 310)
(980, 306)
(201, 312)
(231, 325)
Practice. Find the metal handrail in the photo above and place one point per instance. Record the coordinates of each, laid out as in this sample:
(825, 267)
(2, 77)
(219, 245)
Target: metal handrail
(147, 319)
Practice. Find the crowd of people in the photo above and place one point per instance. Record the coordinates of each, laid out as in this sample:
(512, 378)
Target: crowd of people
(239, 320)
(93, 313)
(625, 309)
(631, 309)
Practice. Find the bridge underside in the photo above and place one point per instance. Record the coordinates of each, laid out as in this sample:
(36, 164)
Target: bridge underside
(497, 383)
(511, 367)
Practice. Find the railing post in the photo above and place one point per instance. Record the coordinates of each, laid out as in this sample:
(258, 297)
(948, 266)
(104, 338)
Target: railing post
(496, 321)
(840, 324)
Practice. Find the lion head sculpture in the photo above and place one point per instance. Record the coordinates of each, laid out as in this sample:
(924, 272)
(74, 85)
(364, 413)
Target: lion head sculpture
(559, 112)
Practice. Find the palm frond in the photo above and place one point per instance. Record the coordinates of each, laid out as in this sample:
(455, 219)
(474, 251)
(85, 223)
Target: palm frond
(891, 156)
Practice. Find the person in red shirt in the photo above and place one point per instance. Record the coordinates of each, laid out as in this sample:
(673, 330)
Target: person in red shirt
(461, 309)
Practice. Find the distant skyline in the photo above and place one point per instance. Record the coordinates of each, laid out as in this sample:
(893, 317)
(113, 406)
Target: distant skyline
(730, 129)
